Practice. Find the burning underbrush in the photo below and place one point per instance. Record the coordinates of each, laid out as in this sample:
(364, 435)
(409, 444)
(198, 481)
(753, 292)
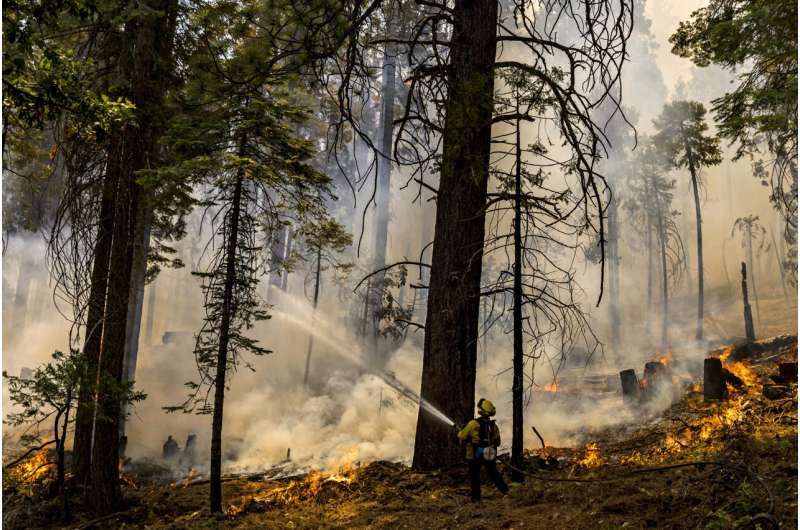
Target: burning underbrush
(694, 463)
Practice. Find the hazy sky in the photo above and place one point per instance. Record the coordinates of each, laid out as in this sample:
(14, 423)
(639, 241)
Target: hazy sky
(665, 16)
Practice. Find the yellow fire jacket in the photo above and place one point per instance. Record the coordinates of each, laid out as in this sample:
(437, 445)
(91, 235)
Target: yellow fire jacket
(471, 434)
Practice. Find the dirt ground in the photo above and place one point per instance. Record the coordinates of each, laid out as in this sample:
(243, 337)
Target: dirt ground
(731, 464)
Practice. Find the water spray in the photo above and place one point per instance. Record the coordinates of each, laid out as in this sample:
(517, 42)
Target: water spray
(357, 358)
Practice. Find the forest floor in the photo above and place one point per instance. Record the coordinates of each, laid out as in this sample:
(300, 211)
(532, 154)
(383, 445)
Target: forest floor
(725, 464)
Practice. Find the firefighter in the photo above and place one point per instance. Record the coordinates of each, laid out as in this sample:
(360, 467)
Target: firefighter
(482, 436)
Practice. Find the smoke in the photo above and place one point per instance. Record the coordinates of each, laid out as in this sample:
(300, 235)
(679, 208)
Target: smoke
(349, 413)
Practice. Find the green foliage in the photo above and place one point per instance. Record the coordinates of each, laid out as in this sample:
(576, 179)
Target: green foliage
(52, 390)
(650, 195)
(236, 139)
(681, 136)
(758, 39)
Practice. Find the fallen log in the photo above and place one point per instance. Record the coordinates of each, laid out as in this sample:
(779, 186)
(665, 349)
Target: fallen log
(788, 371)
(732, 379)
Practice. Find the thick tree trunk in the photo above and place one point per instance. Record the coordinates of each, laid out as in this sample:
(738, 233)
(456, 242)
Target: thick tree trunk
(84, 416)
(516, 389)
(383, 193)
(222, 352)
(749, 330)
(451, 334)
(317, 277)
(107, 494)
(699, 222)
(150, 40)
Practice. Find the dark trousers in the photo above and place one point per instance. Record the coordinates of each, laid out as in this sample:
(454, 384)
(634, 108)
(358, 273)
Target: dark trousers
(475, 476)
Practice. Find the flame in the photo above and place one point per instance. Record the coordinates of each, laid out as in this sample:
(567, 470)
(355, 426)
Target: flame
(32, 469)
(743, 371)
(295, 491)
(592, 456)
(551, 386)
(666, 360)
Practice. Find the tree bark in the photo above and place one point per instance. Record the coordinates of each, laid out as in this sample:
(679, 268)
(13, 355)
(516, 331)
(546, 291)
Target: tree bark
(516, 389)
(451, 333)
(151, 313)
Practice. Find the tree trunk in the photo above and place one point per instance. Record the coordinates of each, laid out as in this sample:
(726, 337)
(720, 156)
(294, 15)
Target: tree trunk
(383, 193)
(752, 271)
(516, 389)
(699, 222)
(451, 333)
(313, 314)
(780, 265)
(749, 330)
(22, 292)
(106, 493)
(136, 297)
(149, 45)
(650, 275)
(84, 416)
(151, 313)
(613, 276)
(662, 239)
(222, 352)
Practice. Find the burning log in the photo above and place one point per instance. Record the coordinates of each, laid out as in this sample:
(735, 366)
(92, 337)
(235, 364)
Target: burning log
(630, 386)
(713, 380)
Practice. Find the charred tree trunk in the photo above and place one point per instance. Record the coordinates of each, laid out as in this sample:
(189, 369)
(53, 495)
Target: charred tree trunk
(382, 198)
(313, 315)
(516, 389)
(699, 223)
(451, 332)
(748, 313)
(713, 380)
(222, 352)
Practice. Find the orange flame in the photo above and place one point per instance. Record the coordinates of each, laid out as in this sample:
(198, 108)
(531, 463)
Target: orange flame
(592, 456)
